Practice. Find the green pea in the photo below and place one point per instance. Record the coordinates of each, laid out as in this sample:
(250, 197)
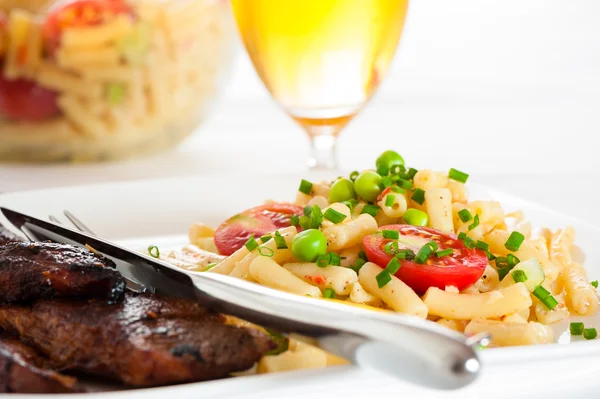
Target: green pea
(308, 245)
(415, 217)
(366, 185)
(389, 159)
(341, 190)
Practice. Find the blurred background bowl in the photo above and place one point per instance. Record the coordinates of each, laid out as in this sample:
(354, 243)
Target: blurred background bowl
(92, 80)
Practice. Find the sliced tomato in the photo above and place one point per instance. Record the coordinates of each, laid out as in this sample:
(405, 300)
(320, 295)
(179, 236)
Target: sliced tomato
(261, 220)
(79, 13)
(461, 269)
(24, 100)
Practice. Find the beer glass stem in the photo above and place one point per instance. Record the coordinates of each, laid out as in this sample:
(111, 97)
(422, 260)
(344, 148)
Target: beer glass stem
(322, 148)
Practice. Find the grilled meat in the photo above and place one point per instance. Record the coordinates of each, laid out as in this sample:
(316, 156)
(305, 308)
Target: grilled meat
(32, 270)
(22, 370)
(143, 341)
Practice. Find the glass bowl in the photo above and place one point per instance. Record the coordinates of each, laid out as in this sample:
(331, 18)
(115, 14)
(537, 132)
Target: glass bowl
(93, 80)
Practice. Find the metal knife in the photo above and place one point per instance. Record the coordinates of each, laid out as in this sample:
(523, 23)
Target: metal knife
(409, 348)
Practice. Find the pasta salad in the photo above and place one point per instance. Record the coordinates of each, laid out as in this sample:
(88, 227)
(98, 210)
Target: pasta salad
(403, 240)
(87, 80)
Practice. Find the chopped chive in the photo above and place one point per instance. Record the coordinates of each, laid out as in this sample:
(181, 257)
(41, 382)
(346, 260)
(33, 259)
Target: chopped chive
(354, 175)
(389, 200)
(475, 222)
(304, 222)
(305, 187)
(576, 328)
(282, 342)
(383, 170)
(590, 333)
(445, 252)
(425, 251)
(385, 182)
(266, 251)
(391, 234)
(398, 190)
(396, 169)
(484, 246)
(550, 302)
(519, 276)
(514, 241)
(316, 217)
(458, 175)
(154, 251)
(502, 272)
(334, 216)
(265, 238)
(501, 261)
(462, 235)
(405, 254)
(329, 293)
(391, 248)
(351, 203)
(363, 255)
(594, 283)
(540, 292)
(358, 264)
(307, 210)
(405, 184)
(490, 256)
(512, 260)
(335, 259)
(383, 278)
(209, 266)
(372, 210)
(418, 196)
(393, 266)
(323, 260)
(465, 216)
(411, 173)
(295, 220)
(280, 241)
(251, 244)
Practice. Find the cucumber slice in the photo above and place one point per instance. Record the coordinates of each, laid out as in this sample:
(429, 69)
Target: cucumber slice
(532, 269)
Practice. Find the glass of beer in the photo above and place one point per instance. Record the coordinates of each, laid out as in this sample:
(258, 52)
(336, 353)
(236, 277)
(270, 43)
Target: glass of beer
(322, 60)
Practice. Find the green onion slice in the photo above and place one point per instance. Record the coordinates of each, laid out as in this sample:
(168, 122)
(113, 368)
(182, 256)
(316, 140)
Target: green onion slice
(418, 196)
(391, 248)
(389, 200)
(251, 244)
(405, 254)
(372, 210)
(383, 278)
(398, 190)
(391, 234)
(512, 260)
(360, 262)
(334, 216)
(295, 220)
(280, 241)
(335, 259)
(594, 283)
(393, 266)
(354, 175)
(305, 187)
(209, 266)
(316, 217)
(465, 216)
(576, 328)
(514, 241)
(265, 238)
(283, 343)
(519, 276)
(323, 260)
(154, 251)
(411, 173)
(444, 252)
(590, 333)
(458, 175)
(550, 302)
(484, 246)
(266, 251)
(329, 293)
(475, 222)
(304, 222)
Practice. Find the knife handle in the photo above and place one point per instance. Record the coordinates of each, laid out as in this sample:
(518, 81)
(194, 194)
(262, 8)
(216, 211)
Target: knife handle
(407, 347)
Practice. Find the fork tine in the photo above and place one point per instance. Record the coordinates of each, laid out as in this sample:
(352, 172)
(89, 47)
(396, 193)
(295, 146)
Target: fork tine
(78, 223)
(54, 220)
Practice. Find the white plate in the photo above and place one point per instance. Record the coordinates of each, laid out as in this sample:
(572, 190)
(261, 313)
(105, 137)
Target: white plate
(159, 212)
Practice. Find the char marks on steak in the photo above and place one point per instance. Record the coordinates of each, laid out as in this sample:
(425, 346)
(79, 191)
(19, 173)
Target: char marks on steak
(33, 270)
(22, 370)
(143, 341)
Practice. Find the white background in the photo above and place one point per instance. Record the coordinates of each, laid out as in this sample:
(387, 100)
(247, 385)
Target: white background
(494, 87)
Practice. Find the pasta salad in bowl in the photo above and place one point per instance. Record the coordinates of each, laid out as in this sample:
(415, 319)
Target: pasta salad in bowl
(89, 80)
(397, 239)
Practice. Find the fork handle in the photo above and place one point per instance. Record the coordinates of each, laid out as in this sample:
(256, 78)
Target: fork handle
(407, 347)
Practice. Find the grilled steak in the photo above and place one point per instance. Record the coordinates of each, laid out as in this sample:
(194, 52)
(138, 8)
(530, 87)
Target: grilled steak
(32, 270)
(22, 370)
(143, 341)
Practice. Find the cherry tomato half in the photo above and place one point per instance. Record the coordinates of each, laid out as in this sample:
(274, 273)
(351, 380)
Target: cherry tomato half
(261, 220)
(24, 100)
(461, 269)
(79, 13)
